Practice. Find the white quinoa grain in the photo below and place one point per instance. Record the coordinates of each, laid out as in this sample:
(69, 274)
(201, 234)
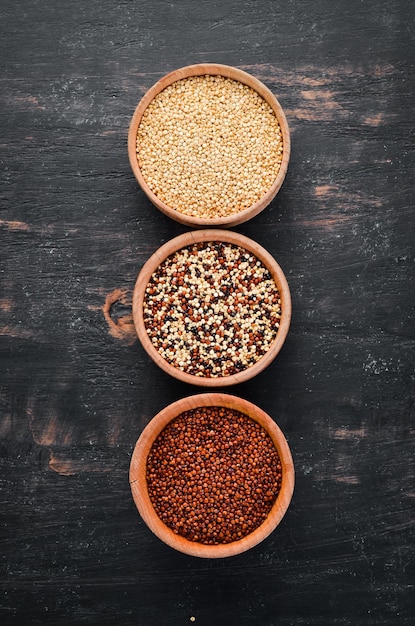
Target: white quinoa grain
(209, 146)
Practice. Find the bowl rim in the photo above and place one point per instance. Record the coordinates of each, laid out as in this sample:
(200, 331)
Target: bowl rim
(138, 483)
(228, 71)
(185, 240)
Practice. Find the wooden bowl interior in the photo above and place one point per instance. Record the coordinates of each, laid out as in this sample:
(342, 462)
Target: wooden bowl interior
(139, 484)
(187, 239)
(228, 72)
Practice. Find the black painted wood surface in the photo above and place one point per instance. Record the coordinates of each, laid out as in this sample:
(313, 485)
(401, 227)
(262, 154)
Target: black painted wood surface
(76, 386)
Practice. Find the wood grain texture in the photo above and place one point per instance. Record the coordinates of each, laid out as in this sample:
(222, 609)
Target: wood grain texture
(77, 389)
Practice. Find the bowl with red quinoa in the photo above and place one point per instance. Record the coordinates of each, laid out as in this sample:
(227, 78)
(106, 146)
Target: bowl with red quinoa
(212, 475)
(212, 308)
(209, 145)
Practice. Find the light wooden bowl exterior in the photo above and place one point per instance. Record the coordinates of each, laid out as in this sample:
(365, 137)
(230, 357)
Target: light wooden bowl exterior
(242, 77)
(188, 239)
(138, 480)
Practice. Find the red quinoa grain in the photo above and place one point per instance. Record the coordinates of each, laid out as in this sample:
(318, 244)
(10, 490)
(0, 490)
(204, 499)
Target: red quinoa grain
(212, 309)
(213, 475)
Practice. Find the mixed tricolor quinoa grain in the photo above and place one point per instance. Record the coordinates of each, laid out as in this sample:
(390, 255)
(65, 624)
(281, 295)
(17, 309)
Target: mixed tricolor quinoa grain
(213, 475)
(212, 309)
(209, 146)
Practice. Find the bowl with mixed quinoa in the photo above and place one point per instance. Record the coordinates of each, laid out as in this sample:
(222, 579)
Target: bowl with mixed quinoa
(212, 307)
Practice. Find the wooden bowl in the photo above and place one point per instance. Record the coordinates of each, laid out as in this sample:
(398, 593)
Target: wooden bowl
(228, 72)
(183, 241)
(138, 480)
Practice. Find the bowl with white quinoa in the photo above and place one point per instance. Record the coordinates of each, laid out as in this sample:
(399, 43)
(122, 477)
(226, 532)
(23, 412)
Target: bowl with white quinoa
(209, 144)
(212, 475)
(212, 307)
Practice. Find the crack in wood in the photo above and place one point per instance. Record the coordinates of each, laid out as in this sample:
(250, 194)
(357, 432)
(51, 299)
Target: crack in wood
(118, 315)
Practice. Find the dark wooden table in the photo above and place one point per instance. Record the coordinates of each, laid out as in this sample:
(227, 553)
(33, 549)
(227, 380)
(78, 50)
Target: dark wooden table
(76, 386)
